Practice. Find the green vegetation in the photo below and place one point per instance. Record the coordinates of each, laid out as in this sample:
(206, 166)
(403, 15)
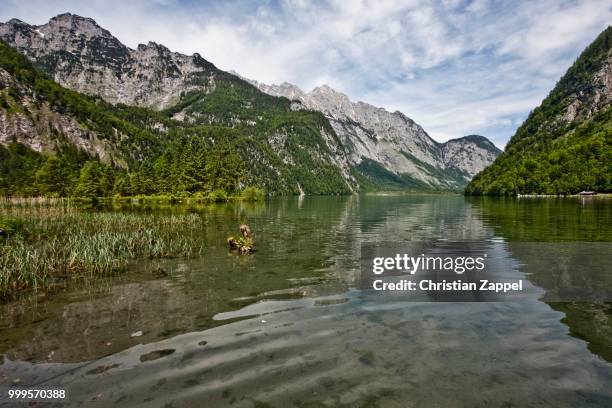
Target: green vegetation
(580, 160)
(253, 194)
(372, 176)
(548, 155)
(10, 227)
(224, 146)
(18, 167)
(243, 244)
(46, 245)
(105, 120)
(450, 175)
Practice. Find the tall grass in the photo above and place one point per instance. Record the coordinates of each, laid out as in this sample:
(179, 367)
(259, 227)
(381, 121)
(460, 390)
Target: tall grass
(36, 202)
(57, 243)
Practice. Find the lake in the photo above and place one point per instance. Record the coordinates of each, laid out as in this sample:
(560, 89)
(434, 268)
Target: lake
(289, 324)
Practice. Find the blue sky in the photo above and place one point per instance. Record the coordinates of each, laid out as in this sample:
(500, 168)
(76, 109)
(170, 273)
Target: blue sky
(456, 67)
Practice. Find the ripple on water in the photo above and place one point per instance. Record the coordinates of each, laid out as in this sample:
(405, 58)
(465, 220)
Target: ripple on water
(432, 354)
(291, 337)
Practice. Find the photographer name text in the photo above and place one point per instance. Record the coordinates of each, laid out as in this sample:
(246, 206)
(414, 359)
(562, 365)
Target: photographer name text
(444, 285)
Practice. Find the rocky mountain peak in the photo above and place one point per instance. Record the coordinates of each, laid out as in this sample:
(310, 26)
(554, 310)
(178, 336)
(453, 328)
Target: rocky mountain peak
(479, 140)
(392, 139)
(285, 89)
(326, 91)
(154, 50)
(290, 88)
(402, 116)
(16, 22)
(83, 56)
(77, 24)
(469, 154)
(66, 32)
(17, 32)
(325, 98)
(155, 46)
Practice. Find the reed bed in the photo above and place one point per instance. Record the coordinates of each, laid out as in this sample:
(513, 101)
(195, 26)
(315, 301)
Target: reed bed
(36, 202)
(48, 244)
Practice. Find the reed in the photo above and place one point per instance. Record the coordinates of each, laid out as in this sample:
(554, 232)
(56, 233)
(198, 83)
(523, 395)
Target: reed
(36, 202)
(54, 243)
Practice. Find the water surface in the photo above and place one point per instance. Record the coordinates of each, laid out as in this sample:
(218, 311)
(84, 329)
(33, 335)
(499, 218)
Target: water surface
(288, 326)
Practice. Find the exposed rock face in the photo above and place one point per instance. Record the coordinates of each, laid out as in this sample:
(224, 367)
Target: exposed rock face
(84, 57)
(470, 154)
(392, 139)
(593, 97)
(35, 124)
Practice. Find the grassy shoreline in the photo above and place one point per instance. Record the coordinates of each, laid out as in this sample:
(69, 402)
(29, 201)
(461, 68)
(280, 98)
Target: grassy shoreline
(249, 194)
(46, 244)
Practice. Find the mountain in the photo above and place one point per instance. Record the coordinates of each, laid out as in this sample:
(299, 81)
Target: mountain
(50, 134)
(389, 145)
(284, 152)
(158, 121)
(565, 145)
(208, 110)
(80, 55)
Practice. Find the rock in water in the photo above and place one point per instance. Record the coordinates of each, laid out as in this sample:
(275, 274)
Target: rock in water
(244, 244)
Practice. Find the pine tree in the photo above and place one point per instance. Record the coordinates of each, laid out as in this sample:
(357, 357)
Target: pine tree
(53, 177)
(96, 180)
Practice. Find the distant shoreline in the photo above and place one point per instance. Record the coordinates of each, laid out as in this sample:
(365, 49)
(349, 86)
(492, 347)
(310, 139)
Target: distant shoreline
(597, 195)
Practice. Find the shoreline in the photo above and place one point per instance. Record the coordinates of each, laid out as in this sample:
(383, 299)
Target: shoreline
(597, 195)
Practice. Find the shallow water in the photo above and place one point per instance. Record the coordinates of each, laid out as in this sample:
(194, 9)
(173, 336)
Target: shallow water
(289, 326)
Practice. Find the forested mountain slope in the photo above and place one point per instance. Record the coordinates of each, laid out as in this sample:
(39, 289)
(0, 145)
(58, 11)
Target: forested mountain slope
(565, 145)
(389, 147)
(118, 149)
(285, 148)
(153, 121)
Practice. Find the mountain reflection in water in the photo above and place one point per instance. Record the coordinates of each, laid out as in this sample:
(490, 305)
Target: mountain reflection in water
(287, 326)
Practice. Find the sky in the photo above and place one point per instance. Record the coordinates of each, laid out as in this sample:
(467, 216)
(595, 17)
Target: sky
(456, 67)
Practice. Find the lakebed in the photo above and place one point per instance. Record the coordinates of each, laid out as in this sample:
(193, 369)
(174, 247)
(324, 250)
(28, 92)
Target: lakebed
(289, 325)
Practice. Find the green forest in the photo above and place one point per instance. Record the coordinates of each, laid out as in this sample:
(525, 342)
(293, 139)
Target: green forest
(222, 153)
(552, 156)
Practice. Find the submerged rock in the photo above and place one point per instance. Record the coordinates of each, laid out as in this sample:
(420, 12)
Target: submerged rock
(159, 272)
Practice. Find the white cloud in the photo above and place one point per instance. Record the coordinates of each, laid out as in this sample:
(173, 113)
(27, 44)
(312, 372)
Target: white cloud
(454, 66)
